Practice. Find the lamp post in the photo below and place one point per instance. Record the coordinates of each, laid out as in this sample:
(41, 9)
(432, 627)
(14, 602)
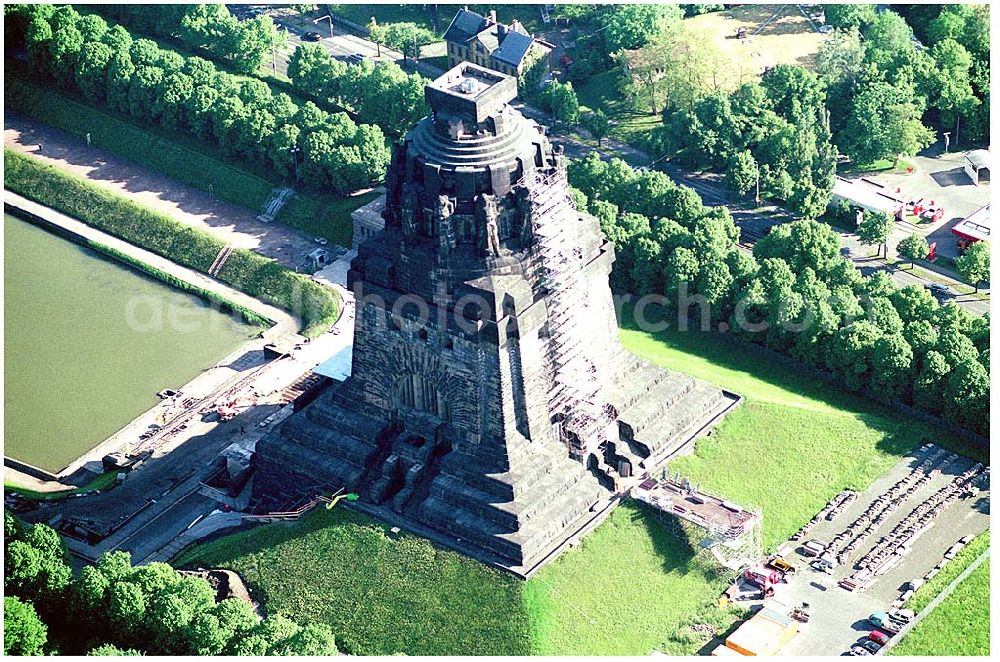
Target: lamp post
(756, 197)
(947, 139)
(294, 151)
(328, 18)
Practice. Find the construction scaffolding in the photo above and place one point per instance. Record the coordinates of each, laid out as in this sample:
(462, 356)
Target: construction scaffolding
(732, 534)
(575, 397)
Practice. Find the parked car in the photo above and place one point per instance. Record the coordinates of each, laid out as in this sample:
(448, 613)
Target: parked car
(813, 548)
(781, 564)
(870, 646)
(902, 616)
(355, 58)
(879, 637)
(312, 35)
(933, 214)
(859, 651)
(938, 289)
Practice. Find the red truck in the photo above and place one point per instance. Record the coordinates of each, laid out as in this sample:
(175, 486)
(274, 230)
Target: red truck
(762, 577)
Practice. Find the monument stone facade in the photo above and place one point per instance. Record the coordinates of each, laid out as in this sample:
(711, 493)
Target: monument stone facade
(491, 405)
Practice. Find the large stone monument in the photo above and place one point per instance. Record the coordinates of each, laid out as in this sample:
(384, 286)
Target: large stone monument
(491, 406)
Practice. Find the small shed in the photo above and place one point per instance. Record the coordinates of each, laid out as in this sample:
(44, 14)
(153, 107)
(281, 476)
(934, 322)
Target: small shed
(977, 166)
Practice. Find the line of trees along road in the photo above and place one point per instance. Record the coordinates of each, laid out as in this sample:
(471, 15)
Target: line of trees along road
(135, 76)
(795, 293)
(115, 608)
(247, 44)
(378, 93)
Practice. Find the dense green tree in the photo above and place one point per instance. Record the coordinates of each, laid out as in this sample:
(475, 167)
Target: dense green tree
(852, 352)
(875, 229)
(914, 303)
(561, 99)
(741, 175)
(921, 335)
(974, 264)
(315, 639)
(840, 57)
(888, 41)
(24, 633)
(884, 123)
(633, 26)
(110, 650)
(596, 122)
(928, 389)
(913, 247)
(968, 392)
(849, 15)
(407, 38)
(802, 244)
(892, 365)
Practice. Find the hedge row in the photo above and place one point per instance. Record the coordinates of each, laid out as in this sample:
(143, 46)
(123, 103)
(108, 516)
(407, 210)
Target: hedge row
(260, 277)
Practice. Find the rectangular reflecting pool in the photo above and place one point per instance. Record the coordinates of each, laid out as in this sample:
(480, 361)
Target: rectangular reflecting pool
(88, 342)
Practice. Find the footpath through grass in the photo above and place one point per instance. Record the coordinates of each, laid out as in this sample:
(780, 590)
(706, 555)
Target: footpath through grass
(381, 593)
(178, 156)
(959, 626)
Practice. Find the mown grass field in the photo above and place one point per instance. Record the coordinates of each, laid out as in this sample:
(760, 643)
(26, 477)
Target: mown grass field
(101, 482)
(631, 121)
(959, 626)
(381, 593)
(630, 587)
(922, 596)
(179, 156)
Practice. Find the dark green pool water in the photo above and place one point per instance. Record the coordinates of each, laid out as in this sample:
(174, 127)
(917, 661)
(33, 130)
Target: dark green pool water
(88, 342)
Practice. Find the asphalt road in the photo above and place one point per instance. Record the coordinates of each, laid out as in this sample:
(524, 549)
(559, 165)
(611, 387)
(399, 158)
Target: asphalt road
(337, 41)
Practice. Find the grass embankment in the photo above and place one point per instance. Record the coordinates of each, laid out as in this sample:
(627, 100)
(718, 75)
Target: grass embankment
(630, 587)
(103, 481)
(922, 596)
(316, 306)
(959, 626)
(179, 156)
(382, 593)
(223, 304)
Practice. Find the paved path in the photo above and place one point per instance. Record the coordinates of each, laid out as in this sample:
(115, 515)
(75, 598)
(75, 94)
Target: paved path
(284, 323)
(186, 204)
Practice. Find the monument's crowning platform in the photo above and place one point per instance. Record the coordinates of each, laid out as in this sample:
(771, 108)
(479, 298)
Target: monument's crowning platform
(491, 405)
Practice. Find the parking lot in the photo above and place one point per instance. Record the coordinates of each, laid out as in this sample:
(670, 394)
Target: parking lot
(838, 616)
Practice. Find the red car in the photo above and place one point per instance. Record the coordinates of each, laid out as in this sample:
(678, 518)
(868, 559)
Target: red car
(879, 637)
(933, 214)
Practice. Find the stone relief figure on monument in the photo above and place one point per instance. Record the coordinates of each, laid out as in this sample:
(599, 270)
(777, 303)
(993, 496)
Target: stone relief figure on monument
(522, 208)
(442, 224)
(409, 204)
(487, 215)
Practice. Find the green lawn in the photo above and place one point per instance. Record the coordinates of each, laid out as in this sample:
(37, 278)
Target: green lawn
(420, 14)
(630, 587)
(632, 120)
(381, 593)
(959, 626)
(179, 156)
(101, 482)
(922, 596)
